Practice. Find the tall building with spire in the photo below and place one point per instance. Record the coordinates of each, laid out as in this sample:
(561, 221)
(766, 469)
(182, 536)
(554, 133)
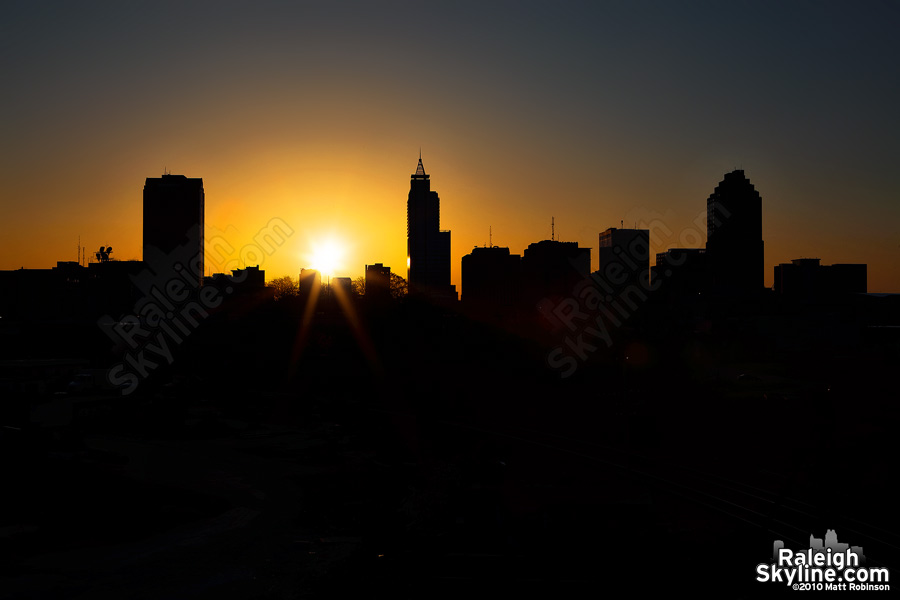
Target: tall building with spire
(428, 248)
(734, 243)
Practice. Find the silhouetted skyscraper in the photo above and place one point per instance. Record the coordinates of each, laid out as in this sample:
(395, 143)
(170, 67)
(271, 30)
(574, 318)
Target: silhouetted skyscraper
(623, 257)
(492, 277)
(553, 268)
(310, 283)
(734, 241)
(173, 224)
(378, 283)
(681, 272)
(428, 248)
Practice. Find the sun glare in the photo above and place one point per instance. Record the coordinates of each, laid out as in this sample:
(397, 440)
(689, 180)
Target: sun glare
(326, 257)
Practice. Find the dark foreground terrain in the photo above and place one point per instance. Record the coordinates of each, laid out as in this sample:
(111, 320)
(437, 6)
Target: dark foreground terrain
(443, 459)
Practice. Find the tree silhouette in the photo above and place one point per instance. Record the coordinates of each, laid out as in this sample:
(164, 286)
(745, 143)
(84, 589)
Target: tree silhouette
(399, 288)
(285, 287)
(359, 286)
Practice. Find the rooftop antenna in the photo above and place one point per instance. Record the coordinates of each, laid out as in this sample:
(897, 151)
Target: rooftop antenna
(490, 237)
(622, 223)
(552, 229)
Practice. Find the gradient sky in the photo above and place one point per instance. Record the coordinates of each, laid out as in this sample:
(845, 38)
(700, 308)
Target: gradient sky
(592, 113)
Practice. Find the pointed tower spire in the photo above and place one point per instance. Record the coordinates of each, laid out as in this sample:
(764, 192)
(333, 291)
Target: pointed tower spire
(420, 170)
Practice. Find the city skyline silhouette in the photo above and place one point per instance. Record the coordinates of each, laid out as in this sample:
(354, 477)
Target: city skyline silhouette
(136, 351)
(329, 251)
(589, 124)
(659, 344)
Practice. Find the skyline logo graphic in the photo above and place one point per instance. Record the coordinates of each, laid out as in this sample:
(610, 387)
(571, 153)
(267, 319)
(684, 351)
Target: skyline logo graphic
(826, 565)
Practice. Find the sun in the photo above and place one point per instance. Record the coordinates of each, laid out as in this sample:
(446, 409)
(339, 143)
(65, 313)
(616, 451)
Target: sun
(326, 257)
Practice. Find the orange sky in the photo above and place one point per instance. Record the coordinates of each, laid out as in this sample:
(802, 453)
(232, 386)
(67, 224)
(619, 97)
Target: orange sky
(360, 202)
(315, 115)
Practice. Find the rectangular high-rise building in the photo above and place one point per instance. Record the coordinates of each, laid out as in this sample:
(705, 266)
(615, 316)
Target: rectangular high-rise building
(623, 258)
(310, 283)
(553, 268)
(173, 225)
(491, 277)
(681, 272)
(378, 283)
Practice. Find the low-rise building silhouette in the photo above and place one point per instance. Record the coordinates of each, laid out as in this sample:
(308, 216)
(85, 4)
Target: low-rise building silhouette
(806, 277)
(250, 280)
(70, 291)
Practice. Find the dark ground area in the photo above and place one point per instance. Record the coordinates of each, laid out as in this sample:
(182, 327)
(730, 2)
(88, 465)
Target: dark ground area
(448, 459)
